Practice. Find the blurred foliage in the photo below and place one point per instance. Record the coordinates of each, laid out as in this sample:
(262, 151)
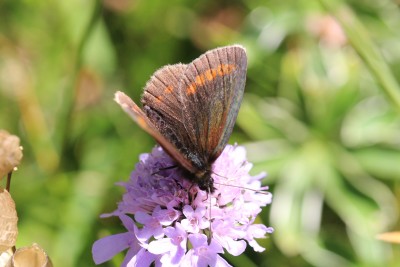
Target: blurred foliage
(320, 115)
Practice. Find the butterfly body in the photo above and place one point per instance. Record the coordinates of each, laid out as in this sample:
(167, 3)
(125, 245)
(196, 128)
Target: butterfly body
(191, 109)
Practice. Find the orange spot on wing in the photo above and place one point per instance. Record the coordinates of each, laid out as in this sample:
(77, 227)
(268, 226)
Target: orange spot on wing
(200, 81)
(159, 98)
(220, 70)
(191, 89)
(169, 89)
(208, 76)
(229, 68)
(225, 69)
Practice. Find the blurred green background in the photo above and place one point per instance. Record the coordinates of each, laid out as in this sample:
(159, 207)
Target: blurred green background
(320, 115)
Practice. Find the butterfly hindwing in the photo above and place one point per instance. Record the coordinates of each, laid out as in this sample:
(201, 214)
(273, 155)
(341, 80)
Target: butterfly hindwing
(211, 93)
(162, 106)
(161, 94)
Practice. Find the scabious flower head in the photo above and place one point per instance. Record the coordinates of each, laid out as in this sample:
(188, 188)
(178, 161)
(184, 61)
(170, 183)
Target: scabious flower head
(171, 222)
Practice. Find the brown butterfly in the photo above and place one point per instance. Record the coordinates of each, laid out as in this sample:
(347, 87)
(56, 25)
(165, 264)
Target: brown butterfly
(191, 109)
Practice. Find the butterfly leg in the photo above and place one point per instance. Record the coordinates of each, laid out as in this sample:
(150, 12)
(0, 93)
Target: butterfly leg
(165, 168)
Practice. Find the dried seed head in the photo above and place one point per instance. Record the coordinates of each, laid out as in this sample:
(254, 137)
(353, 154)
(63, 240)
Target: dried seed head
(33, 256)
(10, 153)
(8, 221)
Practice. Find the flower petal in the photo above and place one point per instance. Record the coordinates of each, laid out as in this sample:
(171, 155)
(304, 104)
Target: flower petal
(128, 222)
(104, 249)
(234, 247)
(160, 246)
(220, 262)
(142, 259)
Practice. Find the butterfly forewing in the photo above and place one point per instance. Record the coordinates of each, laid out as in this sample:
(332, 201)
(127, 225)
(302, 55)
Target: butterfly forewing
(161, 94)
(143, 121)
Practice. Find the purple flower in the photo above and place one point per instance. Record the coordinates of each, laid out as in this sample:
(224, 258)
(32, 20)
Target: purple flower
(173, 247)
(203, 254)
(195, 220)
(171, 222)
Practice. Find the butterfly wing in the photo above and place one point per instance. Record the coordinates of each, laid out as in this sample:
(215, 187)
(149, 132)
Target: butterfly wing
(190, 109)
(160, 99)
(211, 92)
(144, 122)
(162, 105)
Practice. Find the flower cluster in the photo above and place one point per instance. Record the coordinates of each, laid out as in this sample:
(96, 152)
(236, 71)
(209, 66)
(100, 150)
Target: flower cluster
(171, 222)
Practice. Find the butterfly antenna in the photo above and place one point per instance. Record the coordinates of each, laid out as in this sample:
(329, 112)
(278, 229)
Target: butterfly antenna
(245, 188)
(241, 187)
(165, 168)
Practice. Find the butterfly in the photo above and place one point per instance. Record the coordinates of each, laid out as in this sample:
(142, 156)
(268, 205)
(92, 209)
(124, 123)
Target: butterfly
(190, 109)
